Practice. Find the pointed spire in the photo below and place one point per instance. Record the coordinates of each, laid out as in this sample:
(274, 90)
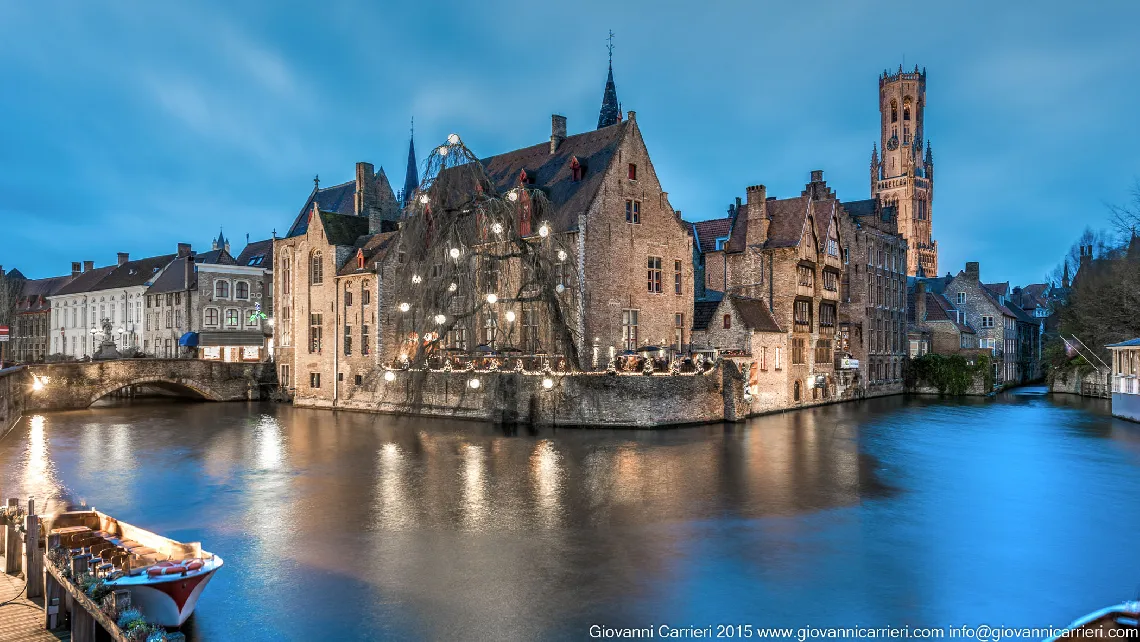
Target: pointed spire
(1065, 276)
(920, 273)
(610, 113)
(929, 154)
(412, 177)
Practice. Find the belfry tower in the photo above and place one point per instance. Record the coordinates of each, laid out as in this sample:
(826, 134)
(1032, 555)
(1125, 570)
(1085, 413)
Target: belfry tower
(904, 177)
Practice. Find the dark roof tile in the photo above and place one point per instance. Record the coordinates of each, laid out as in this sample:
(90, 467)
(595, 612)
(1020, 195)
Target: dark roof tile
(754, 313)
(707, 232)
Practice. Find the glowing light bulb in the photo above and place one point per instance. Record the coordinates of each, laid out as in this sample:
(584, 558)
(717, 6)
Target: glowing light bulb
(454, 252)
(389, 376)
(510, 316)
(404, 307)
(474, 383)
(492, 298)
(443, 150)
(513, 195)
(453, 287)
(453, 139)
(548, 383)
(561, 255)
(544, 231)
(424, 198)
(440, 319)
(497, 228)
(560, 288)
(417, 278)
(37, 384)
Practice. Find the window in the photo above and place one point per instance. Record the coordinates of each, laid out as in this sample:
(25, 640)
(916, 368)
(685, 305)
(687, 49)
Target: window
(633, 212)
(827, 318)
(961, 298)
(796, 391)
(921, 209)
(823, 351)
(728, 322)
(231, 318)
(677, 277)
(314, 333)
(655, 274)
(802, 311)
(830, 281)
(906, 112)
(222, 290)
(316, 269)
(798, 351)
(170, 298)
(575, 169)
(365, 340)
(846, 255)
(169, 319)
(177, 298)
(457, 337)
(806, 275)
(632, 172)
(359, 379)
(250, 319)
(490, 328)
(530, 329)
(241, 290)
(629, 329)
(347, 340)
(490, 276)
(894, 112)
(148, 298)
(763, 358)
(314, 380)
(678, 330)
(211, 316)
(987, 322)
(365, 295)
(832, 247)
(778, 360)
(286, 275)
(347, 298)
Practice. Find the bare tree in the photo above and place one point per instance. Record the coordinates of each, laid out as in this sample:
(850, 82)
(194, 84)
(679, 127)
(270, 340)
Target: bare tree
(1126, 218)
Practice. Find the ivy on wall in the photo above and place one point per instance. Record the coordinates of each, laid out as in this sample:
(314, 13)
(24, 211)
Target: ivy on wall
(950, 374)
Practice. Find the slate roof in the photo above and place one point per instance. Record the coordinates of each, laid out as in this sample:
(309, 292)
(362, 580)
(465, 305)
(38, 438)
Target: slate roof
(551, 172)
(338, 198)
(173, 278)
(787, 222)
(1131, 343)
(87, 281)
(15, 274)
(703, 312)
(998, 289)
(375, 248)
(137, 272)
(258, 254)
(938, 308)
(754, 313)
(707, 232)
(343, 229)
(216, 257)
(860, 208)
(31, 298)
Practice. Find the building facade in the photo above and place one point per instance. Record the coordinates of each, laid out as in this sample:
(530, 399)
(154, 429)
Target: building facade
(31, 328)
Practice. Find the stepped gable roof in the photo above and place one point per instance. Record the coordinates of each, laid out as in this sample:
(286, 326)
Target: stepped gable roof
(33, 294)
(88, 281)
(137, 272)
(754, 313)
(337, 198)
(374, 248)
(707, 232)
(551, 172)
(703, 312)
(344, 229)
(257, 254)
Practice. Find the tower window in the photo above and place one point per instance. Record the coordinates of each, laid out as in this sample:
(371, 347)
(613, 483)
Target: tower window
(906, 112)
(894, 112)
(632, 172)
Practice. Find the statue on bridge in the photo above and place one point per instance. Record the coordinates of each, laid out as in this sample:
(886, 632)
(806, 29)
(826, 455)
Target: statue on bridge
(107, 349)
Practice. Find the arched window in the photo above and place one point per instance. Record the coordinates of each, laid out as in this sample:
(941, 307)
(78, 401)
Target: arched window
(211, 316)
(241, 290)
(796, 391)
(906, 110)
(894, 112)
(286, 275)
(222, 290)
(316, 270)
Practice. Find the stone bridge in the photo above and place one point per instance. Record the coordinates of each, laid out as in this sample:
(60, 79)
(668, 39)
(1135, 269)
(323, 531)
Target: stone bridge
(70, 386)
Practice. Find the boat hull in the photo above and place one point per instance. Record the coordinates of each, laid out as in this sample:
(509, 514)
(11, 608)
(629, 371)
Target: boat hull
(171, 601)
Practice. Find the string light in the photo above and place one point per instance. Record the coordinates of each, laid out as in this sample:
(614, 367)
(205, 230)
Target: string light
(453, 287)
(548, 383)
(440, 319)
(560, 288)
(424, 198)
(404, 307)
(492, 298)
(561, 255)
(389, 376)
(513, 195)
(453, 139)
(497, 228)
(417, 278)
(510, 316)
(544, 231)
(454, 252)
(474, 383)
(442, 150)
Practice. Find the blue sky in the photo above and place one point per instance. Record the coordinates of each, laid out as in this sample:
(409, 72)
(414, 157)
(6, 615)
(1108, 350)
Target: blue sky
(131, 126)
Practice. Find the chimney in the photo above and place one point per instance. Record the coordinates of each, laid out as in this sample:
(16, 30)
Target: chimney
(183, 250)
(88, 266)
(973, 271)
(817, 176)
(365, 188)
(123, 257)
(756, 219)
(631, 115)
(756, 194)
(189, 274)
(76, 268)
(557, 131)
(920, 302)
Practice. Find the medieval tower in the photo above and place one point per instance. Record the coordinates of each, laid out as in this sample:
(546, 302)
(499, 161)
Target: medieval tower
(904, 178)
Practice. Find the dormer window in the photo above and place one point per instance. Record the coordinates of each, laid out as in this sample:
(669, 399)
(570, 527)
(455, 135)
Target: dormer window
(575, 169)
(359, 260)
(633, 171)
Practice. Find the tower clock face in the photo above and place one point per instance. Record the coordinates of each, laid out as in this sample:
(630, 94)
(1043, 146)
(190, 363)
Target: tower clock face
(892, 143)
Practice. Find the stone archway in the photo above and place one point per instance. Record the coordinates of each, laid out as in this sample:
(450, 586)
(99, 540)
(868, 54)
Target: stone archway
(190, 385)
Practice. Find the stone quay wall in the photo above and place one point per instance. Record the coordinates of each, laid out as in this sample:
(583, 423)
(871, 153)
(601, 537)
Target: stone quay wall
(580, 399)
(1088, 384)
(14, 384)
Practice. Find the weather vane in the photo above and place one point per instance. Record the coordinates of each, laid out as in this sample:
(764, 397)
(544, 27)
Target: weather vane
(610, 46)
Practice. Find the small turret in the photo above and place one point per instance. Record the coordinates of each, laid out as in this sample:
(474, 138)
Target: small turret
(875, 175)
(610, 113)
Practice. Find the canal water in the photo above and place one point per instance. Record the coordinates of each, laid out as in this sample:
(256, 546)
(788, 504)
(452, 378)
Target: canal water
(1017, 511)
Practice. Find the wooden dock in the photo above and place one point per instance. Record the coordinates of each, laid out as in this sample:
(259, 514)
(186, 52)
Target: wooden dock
(23, 619)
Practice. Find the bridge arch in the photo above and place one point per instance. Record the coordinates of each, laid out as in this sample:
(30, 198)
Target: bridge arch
(179, 384)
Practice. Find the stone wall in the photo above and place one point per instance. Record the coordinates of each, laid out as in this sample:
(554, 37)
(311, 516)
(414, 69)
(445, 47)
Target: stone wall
(1071, 381)
(977, 388)
(585, 399)
(13, 389)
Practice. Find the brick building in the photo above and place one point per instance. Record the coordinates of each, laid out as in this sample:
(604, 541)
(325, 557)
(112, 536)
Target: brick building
(31, 324)
(934, 324)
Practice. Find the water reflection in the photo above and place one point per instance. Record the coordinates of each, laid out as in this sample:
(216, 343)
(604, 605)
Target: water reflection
(345, 526)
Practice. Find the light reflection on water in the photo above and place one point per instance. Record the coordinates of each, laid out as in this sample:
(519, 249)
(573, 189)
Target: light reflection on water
(346, 526)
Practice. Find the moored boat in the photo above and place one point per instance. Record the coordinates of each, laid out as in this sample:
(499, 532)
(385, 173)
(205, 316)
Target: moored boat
(165, 577)
(1124, 617)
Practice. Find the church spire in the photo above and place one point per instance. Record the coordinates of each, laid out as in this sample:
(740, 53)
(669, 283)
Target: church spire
(610, 113)
(412, 177)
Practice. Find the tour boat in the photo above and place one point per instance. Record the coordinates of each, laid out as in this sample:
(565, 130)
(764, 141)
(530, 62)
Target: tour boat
(165, 578)
(1124, 617)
